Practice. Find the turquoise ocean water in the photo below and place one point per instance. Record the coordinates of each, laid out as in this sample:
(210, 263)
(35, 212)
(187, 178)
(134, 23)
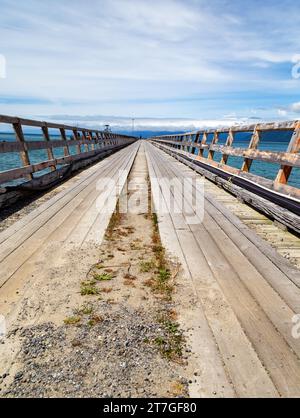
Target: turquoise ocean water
(272, 141)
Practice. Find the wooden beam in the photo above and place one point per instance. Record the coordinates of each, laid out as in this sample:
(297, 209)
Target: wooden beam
(77, 138)
(253, 145)
(229, 143)
(24, 152)
(195, 142)
(203, 142)
(91, 141)
(86, 147)
(65, 141)
(293, 148)
(49, 150)
(215, 140)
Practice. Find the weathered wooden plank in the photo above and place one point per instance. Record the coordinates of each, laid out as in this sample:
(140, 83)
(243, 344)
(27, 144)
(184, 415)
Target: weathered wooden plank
(49, 149)
(257, 323)
(86, 137)
(195, 143)
(293, 148)
(229, 143)
(285, 217)
(24, 152)
(252, 146)
(211, 152)
(35, 215)
(212, 380)
(221, 317)
(64, 142)
(37, 232)
(76, 227)
(203, 144)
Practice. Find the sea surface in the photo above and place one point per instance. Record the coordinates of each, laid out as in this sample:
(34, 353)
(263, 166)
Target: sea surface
(272, 141)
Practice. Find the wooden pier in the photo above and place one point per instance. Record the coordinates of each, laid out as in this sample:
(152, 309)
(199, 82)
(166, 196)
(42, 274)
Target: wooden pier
(239, 291)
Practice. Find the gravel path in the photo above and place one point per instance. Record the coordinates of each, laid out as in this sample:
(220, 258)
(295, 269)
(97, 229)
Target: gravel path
(114, 357)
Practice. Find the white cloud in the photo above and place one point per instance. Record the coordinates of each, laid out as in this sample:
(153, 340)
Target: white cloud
(147, 124)
(94, 56)
(282, 112)
(295, 107)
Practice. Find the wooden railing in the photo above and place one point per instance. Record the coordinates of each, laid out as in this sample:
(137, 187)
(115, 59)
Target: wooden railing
(188, 143)
(93, 141)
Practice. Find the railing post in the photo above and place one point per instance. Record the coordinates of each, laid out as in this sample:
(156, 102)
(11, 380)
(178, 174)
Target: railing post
(175, 140)
(229, 143)
(253, 145)
(77, 138)
(187, 142)
(180, 139)
(99, 138)
(49, 149)
(86, 147)
(64, 138)
(196, 142)
(92, 139)
(294, 147)
(106, 138)
(24, 153)
(102, 143)
(215, 140)
(203, 142)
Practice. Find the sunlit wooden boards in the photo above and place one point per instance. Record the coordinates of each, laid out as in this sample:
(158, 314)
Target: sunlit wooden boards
(246, 298)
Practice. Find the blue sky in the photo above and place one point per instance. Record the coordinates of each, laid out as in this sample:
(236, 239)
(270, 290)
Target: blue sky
(188, 63)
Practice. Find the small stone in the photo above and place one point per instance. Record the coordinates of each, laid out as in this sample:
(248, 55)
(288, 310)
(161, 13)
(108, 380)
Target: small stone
(19, 376)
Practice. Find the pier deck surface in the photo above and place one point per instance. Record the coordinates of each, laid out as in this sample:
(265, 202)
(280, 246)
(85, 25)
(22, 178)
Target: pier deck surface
(245, 295)
(66, 223)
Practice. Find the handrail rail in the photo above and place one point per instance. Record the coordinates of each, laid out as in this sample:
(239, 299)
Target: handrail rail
(189, 142)
(94, 142)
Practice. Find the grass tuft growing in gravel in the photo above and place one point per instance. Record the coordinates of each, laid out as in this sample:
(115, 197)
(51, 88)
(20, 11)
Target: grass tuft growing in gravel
(147, 266)
(172, 342)
(72, 320)
(105, 277)
(86, 309)
(89, 289)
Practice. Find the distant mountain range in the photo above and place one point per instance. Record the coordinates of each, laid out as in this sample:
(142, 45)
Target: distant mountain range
(272, 136)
